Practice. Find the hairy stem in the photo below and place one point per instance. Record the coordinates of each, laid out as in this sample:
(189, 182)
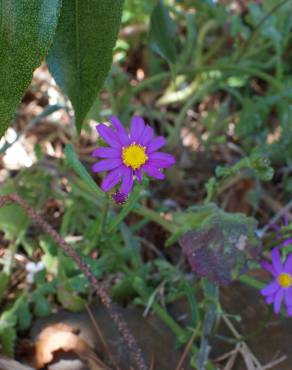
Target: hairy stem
(85, 268)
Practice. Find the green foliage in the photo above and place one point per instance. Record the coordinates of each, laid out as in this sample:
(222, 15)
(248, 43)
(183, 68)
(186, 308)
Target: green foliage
(259, 164)
(77, 166)
(81, 55)
(26, 33)
(13, 225)
(162, 33)
(230, 87)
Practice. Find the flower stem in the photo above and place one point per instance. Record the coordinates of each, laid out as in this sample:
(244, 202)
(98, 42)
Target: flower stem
(154, 216)
(85, 268)
(248, 280)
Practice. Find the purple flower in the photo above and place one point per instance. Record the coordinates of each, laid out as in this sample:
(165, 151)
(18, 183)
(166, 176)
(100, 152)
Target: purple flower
(281, 287)
(119, 197)
(130, 154)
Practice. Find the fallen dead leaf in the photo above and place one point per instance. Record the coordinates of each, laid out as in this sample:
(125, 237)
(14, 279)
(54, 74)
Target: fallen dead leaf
(63, 337)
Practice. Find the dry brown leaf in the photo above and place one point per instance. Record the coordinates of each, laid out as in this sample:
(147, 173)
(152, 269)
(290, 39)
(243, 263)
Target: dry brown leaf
(63, 337)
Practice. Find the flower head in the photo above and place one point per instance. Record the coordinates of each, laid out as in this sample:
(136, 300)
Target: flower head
(119, 197)
(130, 154)
(281, 287)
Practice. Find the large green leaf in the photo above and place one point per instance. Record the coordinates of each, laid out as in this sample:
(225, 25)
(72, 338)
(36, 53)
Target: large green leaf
(81, 55)
(27, 28)
(218, 244)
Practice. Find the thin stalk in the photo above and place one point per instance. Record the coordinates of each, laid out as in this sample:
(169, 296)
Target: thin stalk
(254, 283)
(154, 216)
(85, 268)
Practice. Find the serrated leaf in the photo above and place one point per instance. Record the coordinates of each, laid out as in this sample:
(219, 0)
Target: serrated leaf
(26, 32)
(13, 219)
(81, 55)
(69, 299)
(162, 33)
(24, 315)
(218, 247)
(42, 306)
(7, 340)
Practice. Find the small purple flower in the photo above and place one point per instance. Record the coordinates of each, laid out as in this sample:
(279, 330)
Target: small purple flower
(130, 154)
(281, 287)
(119, 197)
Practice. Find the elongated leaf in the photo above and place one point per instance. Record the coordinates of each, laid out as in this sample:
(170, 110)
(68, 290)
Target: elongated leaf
(78, 167)
(82, 51)
(27, 28)
(162, 33)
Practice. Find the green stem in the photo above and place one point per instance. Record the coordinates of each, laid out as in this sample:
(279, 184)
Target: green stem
(168, 320)
(154, 216)
(192, 71)
(104, 218)
(254, 283)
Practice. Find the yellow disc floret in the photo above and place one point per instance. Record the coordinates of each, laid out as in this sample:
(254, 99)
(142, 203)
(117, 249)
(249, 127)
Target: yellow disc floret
(134, 156)
(285, 280)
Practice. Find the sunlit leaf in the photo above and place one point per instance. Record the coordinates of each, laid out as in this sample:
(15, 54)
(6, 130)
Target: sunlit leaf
(26, 32)
(81, 55)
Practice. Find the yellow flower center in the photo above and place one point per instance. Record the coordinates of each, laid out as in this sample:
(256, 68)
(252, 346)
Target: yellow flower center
(285, 280)
(134, 156)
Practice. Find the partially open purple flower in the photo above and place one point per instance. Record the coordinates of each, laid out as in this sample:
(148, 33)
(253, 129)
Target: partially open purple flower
(281, 287)
(130, 154)
(119, 197)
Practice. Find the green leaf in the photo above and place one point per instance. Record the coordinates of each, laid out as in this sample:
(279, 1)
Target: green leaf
(256, 162)
(42, 306)
(13, 220)
(163, 33)
(217, 244)
(4, 280)
(81, 55)
(78, 167)
(7, 340)
(26, 32)
(68, 298)
(24, 315)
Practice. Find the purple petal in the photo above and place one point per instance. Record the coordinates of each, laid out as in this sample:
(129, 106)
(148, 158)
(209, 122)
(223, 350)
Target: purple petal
(162, 160)
(122, 132)
(136, 129)
(270, 298)
(285, 243)
(270, 289)
(153, 171)
(106, 165)
(156, 144)
(106, 153)
(267, 266)
(286, 219)
(289, 310)
(288, 297)
(138, 174)
(276, 260)
(275, 227)
(288, 264)
(109, 135)
(278, 300)
(127, 182)
(112, 179)
(147, 136)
